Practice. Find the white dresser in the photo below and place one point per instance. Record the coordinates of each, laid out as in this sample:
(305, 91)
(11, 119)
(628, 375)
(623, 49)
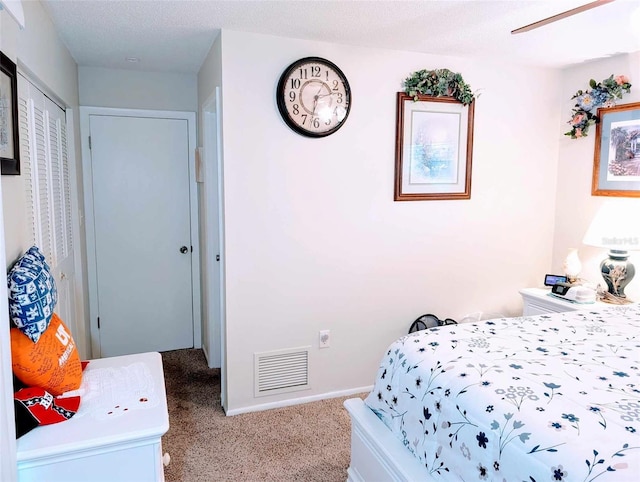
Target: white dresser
(116, 434)
(538, 301)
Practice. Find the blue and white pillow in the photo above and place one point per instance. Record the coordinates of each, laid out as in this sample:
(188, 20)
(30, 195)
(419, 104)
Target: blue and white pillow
(32, 294)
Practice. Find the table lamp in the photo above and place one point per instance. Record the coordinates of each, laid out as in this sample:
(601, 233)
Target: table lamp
(616, 226)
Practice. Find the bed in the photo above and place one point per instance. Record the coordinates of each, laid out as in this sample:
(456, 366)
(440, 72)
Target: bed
(553, 397)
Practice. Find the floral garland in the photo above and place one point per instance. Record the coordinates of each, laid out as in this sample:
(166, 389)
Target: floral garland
(438, 83)
(602, 94)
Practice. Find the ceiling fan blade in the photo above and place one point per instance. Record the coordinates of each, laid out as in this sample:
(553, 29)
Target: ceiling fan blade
(560, 16)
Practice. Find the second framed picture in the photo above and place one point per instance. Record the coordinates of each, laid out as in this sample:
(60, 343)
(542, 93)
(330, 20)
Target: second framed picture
(616, 161)
(9, 152)
(434, 148)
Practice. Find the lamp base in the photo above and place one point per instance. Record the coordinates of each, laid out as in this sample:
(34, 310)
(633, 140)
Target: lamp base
(617, 272)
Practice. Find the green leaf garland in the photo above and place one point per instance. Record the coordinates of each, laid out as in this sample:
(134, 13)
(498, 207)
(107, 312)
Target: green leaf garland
(438, 83)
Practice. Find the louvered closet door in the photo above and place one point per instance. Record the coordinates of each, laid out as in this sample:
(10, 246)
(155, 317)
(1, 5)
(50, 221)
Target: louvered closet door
(60, 206)
(45, 166)
(25, 116)
(34, 162)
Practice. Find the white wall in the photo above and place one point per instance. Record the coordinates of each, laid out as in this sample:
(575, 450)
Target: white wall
(315, 241)
(209, 77)
(7, 420)
(133, 89)
(37, 50)
(575, 205)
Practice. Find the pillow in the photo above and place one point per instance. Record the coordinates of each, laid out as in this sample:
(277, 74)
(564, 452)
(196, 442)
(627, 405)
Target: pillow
(32, 294)
(53, 363)
(35, 252)
(35, 406)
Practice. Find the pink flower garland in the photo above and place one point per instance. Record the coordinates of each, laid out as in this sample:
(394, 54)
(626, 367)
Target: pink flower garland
(601, 94)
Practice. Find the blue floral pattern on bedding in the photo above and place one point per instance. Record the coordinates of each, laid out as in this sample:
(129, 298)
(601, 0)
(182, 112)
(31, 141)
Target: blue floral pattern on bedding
(543, 398)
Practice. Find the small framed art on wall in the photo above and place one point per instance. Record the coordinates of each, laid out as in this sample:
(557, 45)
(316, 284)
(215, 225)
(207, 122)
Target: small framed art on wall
(616, 161)
(9, 151)
(434, 144)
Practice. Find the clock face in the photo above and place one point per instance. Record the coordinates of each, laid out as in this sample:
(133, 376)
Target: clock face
(314, 97)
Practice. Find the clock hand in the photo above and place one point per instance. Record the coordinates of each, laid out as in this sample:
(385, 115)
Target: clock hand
(319, 96)
(316, 97)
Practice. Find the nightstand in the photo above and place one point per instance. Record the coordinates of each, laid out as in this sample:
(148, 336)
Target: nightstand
(538, 301)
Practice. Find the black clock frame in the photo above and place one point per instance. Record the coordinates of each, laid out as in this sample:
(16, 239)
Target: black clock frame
(282, 107)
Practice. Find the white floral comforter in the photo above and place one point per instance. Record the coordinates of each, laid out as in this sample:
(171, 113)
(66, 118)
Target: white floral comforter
(543, 398)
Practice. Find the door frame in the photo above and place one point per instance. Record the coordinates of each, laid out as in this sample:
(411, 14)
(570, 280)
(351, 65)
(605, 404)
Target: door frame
(80, 333)
(87, 179)
(213, 171)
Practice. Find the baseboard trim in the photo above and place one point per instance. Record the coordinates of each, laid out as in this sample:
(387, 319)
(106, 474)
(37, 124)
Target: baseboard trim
(298, 401)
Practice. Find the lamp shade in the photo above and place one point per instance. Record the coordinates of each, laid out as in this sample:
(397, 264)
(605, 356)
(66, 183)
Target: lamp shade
(616, 226)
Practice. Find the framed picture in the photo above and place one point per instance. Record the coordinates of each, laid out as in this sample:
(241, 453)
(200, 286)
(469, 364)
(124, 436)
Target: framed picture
(434, 144)
(9, 150)
(616, 162)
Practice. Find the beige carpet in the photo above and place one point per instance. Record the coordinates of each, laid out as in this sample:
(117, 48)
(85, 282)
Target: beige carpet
(309, 442)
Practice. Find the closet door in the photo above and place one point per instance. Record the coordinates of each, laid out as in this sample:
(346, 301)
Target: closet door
(25, 118)
(60, 206)
(33, 141)
(45, 166)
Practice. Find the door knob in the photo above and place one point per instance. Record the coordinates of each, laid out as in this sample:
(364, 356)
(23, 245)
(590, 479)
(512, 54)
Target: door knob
(217, 257)
(184, 250)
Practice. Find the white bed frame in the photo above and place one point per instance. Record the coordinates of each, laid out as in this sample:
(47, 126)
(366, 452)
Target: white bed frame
(376, 454)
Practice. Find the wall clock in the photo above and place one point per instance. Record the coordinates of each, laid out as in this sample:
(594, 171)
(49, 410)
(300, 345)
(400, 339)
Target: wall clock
(314, 97)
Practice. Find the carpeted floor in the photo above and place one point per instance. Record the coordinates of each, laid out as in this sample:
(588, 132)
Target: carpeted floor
(309, 442)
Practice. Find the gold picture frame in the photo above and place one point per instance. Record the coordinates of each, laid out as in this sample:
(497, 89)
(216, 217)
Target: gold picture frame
(616, 160)
(434, 148)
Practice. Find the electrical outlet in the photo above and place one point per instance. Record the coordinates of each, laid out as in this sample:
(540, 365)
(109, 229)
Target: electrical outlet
(325, 338)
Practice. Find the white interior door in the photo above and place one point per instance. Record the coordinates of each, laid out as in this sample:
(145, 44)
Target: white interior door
(142, 229)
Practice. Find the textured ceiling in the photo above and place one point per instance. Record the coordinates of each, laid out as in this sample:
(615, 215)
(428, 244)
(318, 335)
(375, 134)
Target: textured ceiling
(175, 35)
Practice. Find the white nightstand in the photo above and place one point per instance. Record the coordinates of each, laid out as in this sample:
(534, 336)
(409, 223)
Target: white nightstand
(538, 301)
